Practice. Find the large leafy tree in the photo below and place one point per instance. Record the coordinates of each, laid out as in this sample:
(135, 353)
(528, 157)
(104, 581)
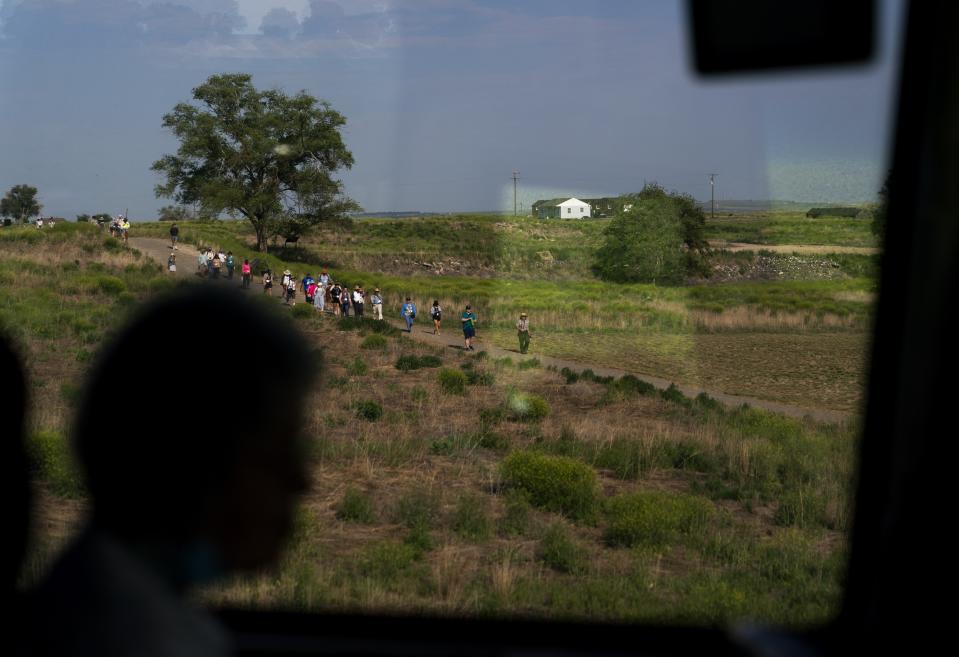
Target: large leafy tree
(261, 155)
(20, 203)
(655, 237)
(643, 244)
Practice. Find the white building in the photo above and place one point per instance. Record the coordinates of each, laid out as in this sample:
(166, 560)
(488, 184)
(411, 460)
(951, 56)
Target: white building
(571, 208)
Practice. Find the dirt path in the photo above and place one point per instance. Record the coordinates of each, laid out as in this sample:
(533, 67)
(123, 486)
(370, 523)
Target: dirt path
(159, 249)
(805, 249)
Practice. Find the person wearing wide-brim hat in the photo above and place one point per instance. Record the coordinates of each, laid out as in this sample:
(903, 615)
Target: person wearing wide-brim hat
(358, 301)
(522, 332)
(377, 301)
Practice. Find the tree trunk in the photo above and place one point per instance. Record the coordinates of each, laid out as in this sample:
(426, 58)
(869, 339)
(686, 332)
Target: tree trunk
(261, 238)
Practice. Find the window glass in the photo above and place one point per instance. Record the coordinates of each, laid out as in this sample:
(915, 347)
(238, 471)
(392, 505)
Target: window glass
(672, 438)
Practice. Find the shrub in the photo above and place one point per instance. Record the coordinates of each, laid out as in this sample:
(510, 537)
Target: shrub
(559, 551)
(471, 518)
(357, 367)
(494, 441)
(490, 417)
(654, 518)
(529, 364)
(675, 395)
(355, 507)
(367, 409)
(386, 560)
(111, 244)
(569, 375)
(554, 483)
(477, 378)
(516, 513)
(374, 341)
(303, 311)
(409, 362)
(527, 407)
(452, 382)
(367, 324)
(110, 285)
(419, 394)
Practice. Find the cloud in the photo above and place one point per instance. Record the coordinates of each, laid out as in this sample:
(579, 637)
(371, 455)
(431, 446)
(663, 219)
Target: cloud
(280, 23)
(52, 24)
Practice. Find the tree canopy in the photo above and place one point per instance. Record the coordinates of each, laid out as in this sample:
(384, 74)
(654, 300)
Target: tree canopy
(20, 203)
(261, 155)
(655, 237)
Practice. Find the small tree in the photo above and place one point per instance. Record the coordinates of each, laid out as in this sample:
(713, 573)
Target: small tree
(881, 210)
(262, 155)
(175, 213)
(20, 203)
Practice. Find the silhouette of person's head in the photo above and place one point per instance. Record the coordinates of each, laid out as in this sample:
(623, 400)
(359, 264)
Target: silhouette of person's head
(16, 486)
(209, 497)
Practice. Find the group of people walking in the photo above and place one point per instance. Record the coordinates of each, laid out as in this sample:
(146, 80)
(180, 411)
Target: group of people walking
(334, 297)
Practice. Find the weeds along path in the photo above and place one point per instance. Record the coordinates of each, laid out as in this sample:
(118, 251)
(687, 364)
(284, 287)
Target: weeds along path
(159, 249)
(803, 249)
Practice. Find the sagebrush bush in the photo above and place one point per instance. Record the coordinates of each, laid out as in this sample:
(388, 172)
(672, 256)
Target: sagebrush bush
(516, 513)
(356, 507)
(374, 341)
(357, 367)
(471, 518)
(554, 483)
(476, 377)
(110, 285)
(654, 518)
(367, 324)
(452, 382)
(675, 395)
(529, 364)
(367, 409)
(526, 407)
(558, 550)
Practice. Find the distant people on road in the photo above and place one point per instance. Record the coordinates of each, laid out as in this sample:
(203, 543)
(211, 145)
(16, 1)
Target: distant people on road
(305, 283)
(310, 291)
(230, 264)
(267, 283)
(523, 333)
(469, 327)
(217, 264)
(285, 280)
(171, 263)
(436, 313)
(319, 297)
(377, 304)
(202, 268)
(324, 278)
(174, 236)
(246, 273)
(408, 312)
(335, 293)
(39, 222)
(290, 298)
(345, 300)
(125, 226)
(358, 301)
(181, 506)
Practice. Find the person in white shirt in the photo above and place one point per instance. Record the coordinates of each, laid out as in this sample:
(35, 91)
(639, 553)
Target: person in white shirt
(377, 304)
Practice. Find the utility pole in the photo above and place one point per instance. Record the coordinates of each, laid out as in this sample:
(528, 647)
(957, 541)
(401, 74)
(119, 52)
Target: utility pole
(712, 195)
(515, 178)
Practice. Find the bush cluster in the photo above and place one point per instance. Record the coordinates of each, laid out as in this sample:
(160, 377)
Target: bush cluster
(367, 409)
(654, 518)
(374, 341)
(452, 382)
(355, 507)
(525, 407)
(554, 483)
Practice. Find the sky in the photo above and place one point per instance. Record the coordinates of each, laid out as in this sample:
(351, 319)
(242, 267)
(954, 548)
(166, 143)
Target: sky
(444, 99)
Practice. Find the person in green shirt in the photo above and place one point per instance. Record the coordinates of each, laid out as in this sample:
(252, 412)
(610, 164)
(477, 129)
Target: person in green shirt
(469, 327)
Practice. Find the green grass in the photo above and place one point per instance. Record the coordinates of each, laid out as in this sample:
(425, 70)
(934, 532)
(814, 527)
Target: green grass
(790, 228)
(654, 518)
(356, 507)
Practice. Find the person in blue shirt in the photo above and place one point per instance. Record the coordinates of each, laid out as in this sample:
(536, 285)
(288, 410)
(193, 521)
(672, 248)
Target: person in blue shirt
(409, 314)
(469, 327)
